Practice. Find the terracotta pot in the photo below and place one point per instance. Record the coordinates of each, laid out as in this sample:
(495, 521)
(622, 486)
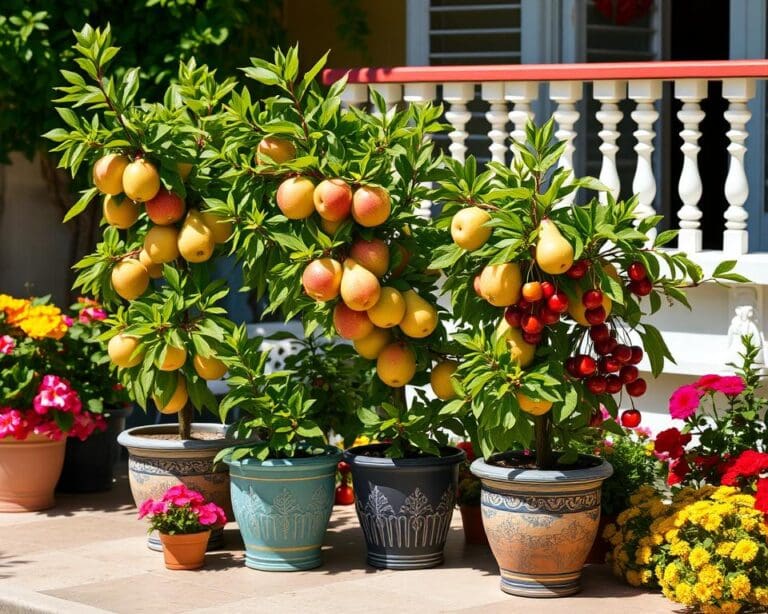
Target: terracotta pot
(472, 520)
(29, 470)
(601, 547)
(540, 524)
(185, 551)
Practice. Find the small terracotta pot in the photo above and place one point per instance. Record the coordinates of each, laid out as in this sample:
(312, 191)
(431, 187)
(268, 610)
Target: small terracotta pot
(472, 519)
(185, 551)
(29, 470)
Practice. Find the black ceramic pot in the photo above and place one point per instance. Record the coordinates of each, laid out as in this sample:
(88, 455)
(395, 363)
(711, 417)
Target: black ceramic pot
(404, 505)
(88, 465)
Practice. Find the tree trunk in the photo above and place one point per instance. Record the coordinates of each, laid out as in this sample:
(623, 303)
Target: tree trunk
(543, 431)
(186, 415)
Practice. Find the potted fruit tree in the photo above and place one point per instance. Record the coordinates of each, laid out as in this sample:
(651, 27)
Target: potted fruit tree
(552, 298)
(148, 166)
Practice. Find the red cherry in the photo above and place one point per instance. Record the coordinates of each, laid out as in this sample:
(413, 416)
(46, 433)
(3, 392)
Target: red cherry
(596, 384)
(531, 324)
(558, 302)
(596, 315)
(605, 346)
(587, 365)
(642, 287)
(636, 271)
(596, 419)
(572, 366)
(532, 338)
(608, 364)
(344, 467)
(344, 495)
(513, 315)
(547, 289)
(628, 374)
(599, 332)
(532, 291)
(524, 305)
(622, 353)
(636, 388)
(612, 384)
(637, 355)
(548, 316)
(578, 269)
(630, 418)
(592, 298)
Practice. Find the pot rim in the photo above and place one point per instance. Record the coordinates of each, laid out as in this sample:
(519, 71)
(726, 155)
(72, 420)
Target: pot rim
(355, 456)
(331, 455)
(132, 437)
(483, 470)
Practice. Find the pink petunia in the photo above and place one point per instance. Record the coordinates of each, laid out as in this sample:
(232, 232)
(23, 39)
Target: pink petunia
(146, 508)
(7, 344)
(210, 514)
(67, 320)
(90, 314)
(684, 402)
(730, 385)
(180, 496)
(705, 382)
(13, 424)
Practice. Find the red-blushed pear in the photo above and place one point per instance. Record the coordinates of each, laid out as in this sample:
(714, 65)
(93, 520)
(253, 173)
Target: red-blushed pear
(322, 279)
(333, 199)
(468, 230)
(359, 287)
(177, 401)
(389, 309)
(294, 198)
(141, 181)
(130, 278)
(108, 173)
(276, 149)
(373, 255)
(351, 324)
(371, 345)
(119, 212)
(396, 364)
(123, 350)
(161, 244)
(329, 227)
(165, 208)
(371, 206)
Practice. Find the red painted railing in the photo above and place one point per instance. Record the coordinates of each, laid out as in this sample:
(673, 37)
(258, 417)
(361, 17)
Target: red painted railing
(711, 69)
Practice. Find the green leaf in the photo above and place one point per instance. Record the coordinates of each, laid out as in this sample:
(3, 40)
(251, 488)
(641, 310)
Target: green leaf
(85, 198)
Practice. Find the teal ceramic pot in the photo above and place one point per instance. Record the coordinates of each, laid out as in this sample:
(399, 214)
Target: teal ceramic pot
(282, 507)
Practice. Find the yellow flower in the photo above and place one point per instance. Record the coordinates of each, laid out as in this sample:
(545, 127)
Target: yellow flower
(712, 522)
(730, 607)
(646, 576)
(672, 574)
(740, 586)
(702, 592)
(745, 551)
(712, 577)
(657, 539)
(627, 515)
(724, 548)
(609, 531)
(672, 536)
(658, 571)
(748, 523)
(684, 594)
(623, 557)
(761, 595)
(633, 577)
(699, 557)
(643, 555)
(681, 549)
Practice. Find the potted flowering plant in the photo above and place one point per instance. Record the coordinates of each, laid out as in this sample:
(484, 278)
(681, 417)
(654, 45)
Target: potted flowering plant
(183, 519)
(551, 298)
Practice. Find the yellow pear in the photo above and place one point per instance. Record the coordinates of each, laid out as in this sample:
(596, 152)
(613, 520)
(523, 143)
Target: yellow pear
(154, 269)
(535, 407)
(554, 254)
(577, 310)
(468, 230)
(196, 240)
(520, 350)
(371, 345)
(161, 244)
(220, 228)
(440, 379)
(177, 401)
(500, 284)
(122, 350)
(120, 213)
(141, 181)
(389, 309)
(420, 317)
(108, 173)
(360, 290)
(174, 359)
(130, 278)
(396, 364)
(209, 368)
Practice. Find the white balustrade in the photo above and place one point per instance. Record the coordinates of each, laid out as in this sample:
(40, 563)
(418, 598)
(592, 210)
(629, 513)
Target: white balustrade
(497, 118)
(566, 94)
(457, 95)
(354, 95)
(520, 94)
(419, 93)
(609, 94)
(645, 92)
(392, 93)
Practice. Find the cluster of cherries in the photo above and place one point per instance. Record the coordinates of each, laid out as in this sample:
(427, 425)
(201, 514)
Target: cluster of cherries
(344, 494)
(541, 305)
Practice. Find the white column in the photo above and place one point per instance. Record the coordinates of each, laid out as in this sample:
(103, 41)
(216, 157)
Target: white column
(738, 92)
(520, 94)
(690, 92)
(354, 95)
(609, 94)
(493, 93)
(420, 93)
(457, 95)
(566, 94)
(645, 92)
(392, 93)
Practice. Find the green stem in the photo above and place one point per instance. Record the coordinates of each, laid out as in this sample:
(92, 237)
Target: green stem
(542, 426)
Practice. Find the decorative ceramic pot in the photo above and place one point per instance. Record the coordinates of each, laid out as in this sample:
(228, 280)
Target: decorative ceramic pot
(404, 505)
(89, 465)
(540, 524)
(28, 472)
(282, 507)
(472, 521)
(185, 551)
(157, 461)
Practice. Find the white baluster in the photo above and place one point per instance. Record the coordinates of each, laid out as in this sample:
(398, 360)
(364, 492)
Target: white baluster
(645, 93)
(420, 93)
(690, 92)
(520, 94)
(392, 93)
(496, 116)
(566, 94)
(457, 95)
(354, 95)
(609, 93)
(738, 92)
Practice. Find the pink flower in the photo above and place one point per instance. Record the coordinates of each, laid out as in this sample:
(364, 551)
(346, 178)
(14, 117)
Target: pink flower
(13, 424)
(180, 496)
(90, 314)
(7, 343)
(705, 382)
(730, 385)
(210, 514)
(684, 402)
(55, 393)
(67, 320)
(85, 424)
(146, 508)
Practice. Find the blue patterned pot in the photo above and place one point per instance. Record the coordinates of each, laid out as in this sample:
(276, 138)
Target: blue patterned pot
(282, 507)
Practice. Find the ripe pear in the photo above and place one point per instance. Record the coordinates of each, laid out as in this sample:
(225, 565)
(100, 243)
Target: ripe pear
(535, 407)
(333, 199)
(373, 255)
(440, 379)
(122, 350)
(294, 198)
(577, 310)
(161, 244)
(130, 278)
(359, 287)
(108, 173)
(119, 212)
(330, 227)
(177, 401)
(278, 150)
(468, 230)
(371, 206)
(184, 169)
(209, 368)
(195, 239)
(174, 359)
(351, 324)
(373, 343)
(389, 309)
(154, 269)
(500, 284)
(420, 317)
(554, 254)
(322, 279)
(141, 181)
(165, 208)
(396, 364)
(220, 228)
(521, 351)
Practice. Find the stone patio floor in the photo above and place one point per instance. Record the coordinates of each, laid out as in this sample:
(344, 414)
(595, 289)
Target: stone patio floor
(88, 555)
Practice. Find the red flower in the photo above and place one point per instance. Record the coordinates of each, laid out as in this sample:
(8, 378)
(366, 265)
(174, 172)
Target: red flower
(761, 496)
(670, 444)
(749, 464)
(678, 469)
(684, 402)
(467, 447)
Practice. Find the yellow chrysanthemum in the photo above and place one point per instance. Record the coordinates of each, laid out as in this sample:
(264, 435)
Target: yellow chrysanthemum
(672, 536)
(646, 576)
(671, 574)
(633, 577)
(724, 548)
(745, 551)
(623, 557)
(684, 594)
(681, 549)
(658, 571)
(748, 523)
(702, 592)
(730, 607)
(740, 586)
(643, 555)
(712, 577)
(699, 557)
(761, 595)
(627, 515)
